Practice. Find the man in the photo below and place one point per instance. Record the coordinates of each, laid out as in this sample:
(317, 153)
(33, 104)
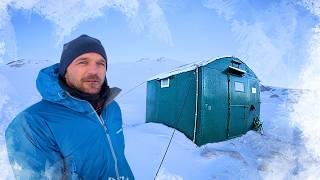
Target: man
(75, 131)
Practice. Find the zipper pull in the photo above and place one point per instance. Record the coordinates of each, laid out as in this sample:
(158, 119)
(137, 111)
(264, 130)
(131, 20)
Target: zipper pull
(103, 124)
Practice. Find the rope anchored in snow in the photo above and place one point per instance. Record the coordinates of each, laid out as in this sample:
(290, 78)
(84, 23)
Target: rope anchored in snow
(172, 135)
(174, 130)
(132, 89)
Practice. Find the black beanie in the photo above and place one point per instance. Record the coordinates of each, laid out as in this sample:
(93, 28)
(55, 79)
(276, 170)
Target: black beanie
(81, 45)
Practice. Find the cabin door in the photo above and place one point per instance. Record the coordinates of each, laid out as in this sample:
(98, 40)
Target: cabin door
(238, 105)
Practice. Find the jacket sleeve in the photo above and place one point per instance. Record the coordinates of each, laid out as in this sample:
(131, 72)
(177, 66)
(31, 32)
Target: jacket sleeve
(30, 149)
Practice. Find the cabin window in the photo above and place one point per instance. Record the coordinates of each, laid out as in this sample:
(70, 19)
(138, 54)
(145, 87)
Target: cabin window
(164, 83)
(239, 86)
(253, 90)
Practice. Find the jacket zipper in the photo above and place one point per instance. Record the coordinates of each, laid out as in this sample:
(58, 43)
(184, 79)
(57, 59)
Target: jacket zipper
(110, 145)
(100, 119)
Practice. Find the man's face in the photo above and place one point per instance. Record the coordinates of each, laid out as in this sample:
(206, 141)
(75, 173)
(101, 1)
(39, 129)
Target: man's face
(87, 73)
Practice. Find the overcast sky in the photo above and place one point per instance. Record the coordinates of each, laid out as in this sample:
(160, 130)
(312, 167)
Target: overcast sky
(271, 36)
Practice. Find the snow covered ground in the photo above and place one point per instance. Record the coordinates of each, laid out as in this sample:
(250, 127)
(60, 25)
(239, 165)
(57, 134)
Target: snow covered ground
(278, 154)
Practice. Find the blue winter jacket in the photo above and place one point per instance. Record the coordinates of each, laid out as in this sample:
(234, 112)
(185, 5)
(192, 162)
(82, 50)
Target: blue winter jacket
(62, 137)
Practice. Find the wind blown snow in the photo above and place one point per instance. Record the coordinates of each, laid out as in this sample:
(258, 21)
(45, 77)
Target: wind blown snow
(306, 112)
(290, 147)
(143, 16)
(273, 53)
(2, 50)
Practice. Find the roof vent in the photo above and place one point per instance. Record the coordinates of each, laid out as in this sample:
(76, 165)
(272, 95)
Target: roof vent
(235, 71)
(235, 63)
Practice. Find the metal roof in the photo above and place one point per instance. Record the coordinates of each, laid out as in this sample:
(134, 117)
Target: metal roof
(186, 68)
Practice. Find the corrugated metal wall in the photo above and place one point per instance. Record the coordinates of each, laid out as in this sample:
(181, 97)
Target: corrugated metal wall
(173, 105)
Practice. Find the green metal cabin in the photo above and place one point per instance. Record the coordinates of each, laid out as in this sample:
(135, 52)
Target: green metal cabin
(208, 101)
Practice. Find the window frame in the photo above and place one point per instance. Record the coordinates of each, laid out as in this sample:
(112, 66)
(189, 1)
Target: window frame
(236, 88)
(163, 85)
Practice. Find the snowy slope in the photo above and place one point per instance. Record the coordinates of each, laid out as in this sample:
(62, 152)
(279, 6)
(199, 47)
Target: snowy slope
(278, 154)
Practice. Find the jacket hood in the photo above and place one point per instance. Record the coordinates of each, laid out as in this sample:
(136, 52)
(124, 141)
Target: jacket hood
(48, 86)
